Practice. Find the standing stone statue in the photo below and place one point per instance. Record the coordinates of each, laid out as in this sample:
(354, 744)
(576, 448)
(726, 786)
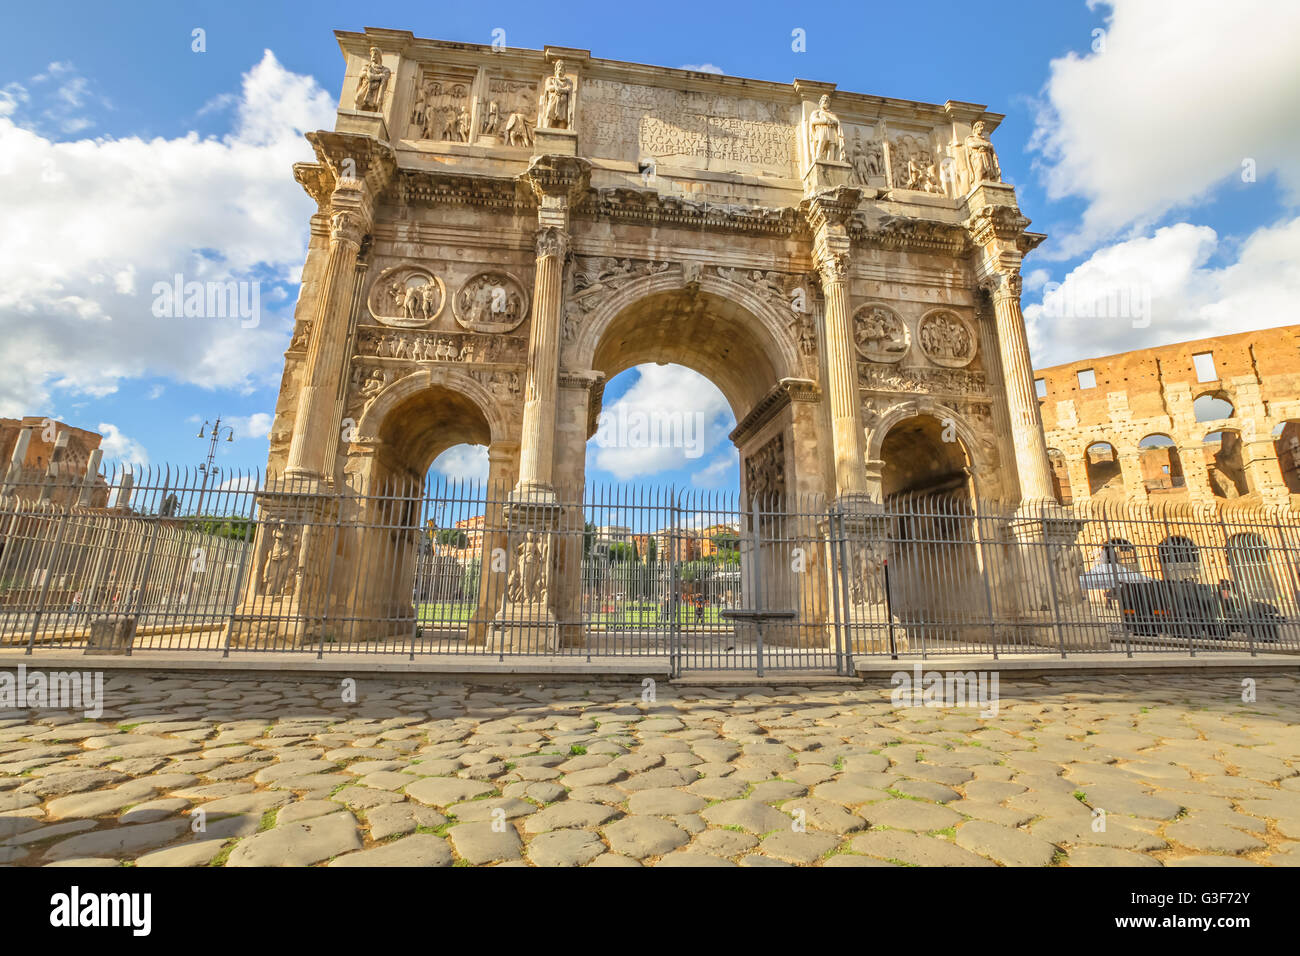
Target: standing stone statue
(981, 160)
(371, 83)
(527, 583)
(824, 132)
(557, 99)
(277, 576)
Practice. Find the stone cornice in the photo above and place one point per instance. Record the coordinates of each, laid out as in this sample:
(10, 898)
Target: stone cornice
(997, 222)
(645, 206)
(426, 187)
(354, 156)
(831, 207)
(782, 394)
(906, 233)
(557, 177)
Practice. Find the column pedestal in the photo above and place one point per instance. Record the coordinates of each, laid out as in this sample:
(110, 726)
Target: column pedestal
(288, 598)
(526, 622)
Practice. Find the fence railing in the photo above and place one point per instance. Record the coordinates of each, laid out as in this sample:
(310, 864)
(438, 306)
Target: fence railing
(238, 563)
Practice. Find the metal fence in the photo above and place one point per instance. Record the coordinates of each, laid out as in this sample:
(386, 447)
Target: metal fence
(238, 564)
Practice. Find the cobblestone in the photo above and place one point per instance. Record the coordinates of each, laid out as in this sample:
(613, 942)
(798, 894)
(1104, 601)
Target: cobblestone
(1114, 771)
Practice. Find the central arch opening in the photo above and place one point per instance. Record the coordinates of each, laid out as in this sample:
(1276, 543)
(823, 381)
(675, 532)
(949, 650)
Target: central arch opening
(692, 401)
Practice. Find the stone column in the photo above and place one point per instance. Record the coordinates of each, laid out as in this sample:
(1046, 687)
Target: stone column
(329, 334)
(536, 456)
(1018, 375)
(827, 212)
(534, 518)
(556, 181)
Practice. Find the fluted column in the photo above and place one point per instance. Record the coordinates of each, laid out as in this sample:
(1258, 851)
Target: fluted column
(842, 378)
(558, 182)
(827, 213)
(537, 447)
(329, 336)
(1022, 402)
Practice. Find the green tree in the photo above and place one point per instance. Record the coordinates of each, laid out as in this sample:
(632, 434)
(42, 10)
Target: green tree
(452, 537)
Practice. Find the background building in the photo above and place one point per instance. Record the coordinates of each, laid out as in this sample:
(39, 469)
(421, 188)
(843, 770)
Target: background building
(1212, 419)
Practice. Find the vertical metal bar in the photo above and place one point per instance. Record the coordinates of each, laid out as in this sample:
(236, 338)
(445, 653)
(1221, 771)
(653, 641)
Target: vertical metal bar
(49, 576)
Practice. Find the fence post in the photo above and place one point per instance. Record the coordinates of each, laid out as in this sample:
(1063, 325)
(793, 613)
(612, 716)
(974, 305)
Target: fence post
(49, 576)
(1051, 578)
(250, 537)
(674, 592)
(837, 622)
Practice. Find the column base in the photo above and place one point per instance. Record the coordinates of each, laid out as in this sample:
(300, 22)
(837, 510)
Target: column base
(524, 628)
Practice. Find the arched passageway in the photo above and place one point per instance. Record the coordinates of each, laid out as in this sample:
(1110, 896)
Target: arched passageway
(1224, 464)
(935, 555)
(1103, 468)
(1162, 467)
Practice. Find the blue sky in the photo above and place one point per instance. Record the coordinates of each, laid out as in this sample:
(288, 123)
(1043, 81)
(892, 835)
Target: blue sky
(1128, 155)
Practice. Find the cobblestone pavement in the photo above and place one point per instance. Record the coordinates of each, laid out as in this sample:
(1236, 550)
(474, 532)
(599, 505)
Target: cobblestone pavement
(445, 774)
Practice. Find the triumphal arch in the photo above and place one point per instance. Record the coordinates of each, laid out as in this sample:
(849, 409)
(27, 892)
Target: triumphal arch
(500, 231)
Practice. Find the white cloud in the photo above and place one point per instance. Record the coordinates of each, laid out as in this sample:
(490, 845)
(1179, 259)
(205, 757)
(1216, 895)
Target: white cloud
(257, 425)
(463, 463)
(720, 472)
(670, 418)
(119, 448)
(1177, 100)
(1188, 298)
(92, 225)
(701, 67)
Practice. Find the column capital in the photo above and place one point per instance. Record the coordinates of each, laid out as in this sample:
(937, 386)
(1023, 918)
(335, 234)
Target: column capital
(551, 241)
(1003, 284)
(833, 263)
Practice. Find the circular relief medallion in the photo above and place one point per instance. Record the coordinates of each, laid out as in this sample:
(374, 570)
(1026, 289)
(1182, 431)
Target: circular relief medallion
(880, 334)
(946, 339)
(407, 296)
(491, 302)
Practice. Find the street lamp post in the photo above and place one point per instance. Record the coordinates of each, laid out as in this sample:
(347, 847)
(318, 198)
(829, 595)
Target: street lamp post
(207, 467)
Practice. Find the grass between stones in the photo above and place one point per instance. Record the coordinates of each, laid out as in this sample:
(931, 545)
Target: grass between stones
(268, 820)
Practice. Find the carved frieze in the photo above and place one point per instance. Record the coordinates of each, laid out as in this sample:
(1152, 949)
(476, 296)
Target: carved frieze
(785, 291)
(913, 165)
(631, 121)
(879, 334)
(491, 302)
(504, 384)
(597, 277)
(866, 156)
(506, 111)
(407, 296)
(946, 339)
(441, 108)
(923, 379)
(765, 474)
(441, 347)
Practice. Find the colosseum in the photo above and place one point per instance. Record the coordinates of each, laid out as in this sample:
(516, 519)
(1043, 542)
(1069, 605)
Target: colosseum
(1217, 418)
(1208, 433)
